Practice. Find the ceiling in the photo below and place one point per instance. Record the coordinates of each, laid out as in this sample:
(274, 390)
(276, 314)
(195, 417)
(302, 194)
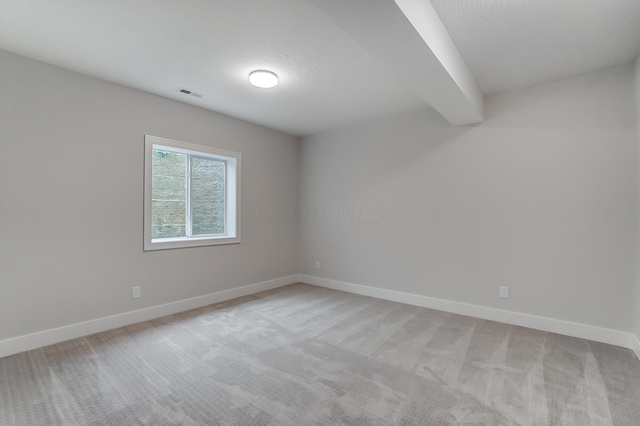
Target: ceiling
(338, 61)
(509, 44)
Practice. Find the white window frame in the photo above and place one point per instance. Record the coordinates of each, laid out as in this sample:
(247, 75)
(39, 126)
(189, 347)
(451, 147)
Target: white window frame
(232, 195)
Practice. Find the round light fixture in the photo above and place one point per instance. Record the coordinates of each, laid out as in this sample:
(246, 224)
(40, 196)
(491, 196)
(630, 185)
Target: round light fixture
(263, 79)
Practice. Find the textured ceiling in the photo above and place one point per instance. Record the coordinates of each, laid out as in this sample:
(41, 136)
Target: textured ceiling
(209, 47)
(329, 78)
(509, 44)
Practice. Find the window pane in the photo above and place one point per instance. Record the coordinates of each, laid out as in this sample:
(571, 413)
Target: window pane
(168, 194)
(207, 196)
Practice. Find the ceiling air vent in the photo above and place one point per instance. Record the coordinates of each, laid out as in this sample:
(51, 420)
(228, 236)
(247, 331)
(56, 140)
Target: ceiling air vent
(189, 92)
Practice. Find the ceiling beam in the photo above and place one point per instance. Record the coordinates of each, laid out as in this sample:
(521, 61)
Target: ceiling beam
(408, 38)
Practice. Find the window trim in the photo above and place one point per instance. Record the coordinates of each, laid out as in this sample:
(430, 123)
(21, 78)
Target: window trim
(232, 198)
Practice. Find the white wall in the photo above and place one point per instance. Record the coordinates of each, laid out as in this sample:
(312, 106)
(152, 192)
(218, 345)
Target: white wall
(71, 189)
(541, 197)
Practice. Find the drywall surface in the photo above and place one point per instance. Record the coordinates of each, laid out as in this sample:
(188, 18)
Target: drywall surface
(636, 328)
(71, 200)
(541, 198)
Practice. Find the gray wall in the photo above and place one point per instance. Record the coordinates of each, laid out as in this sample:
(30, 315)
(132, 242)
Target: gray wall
(542, 197)
(636, 328)
(71, 182)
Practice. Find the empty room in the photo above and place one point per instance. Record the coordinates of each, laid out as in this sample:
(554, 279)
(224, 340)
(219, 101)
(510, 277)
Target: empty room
(320, 212)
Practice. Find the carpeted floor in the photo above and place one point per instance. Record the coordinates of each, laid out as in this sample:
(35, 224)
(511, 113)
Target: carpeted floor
(303, 355)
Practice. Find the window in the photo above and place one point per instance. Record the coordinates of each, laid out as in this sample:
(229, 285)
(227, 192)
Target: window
(191, 195)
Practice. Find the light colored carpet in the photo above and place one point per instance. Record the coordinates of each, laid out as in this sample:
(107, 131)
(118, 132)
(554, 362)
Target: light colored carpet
(303, 355)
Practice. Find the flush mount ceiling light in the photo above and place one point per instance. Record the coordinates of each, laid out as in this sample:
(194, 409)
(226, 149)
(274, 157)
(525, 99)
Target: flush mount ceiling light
(263, 79)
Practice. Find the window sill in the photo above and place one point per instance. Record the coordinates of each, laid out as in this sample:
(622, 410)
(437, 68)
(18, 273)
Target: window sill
(176, 243)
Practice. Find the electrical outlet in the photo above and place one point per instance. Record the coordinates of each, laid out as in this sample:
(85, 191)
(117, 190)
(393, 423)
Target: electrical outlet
(135, 292)
(504, 292)
(317, 264)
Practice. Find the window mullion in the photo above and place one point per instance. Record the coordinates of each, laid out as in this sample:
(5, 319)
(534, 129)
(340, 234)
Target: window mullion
(188, 230)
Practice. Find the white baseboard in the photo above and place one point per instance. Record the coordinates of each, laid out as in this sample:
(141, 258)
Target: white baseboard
(635, 345)
(598, 334)
(56, 335)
